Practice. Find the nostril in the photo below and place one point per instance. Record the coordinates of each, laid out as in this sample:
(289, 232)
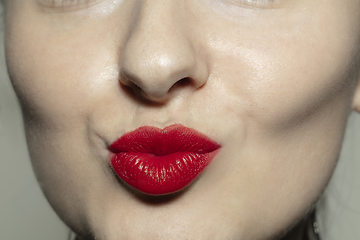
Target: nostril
(134, 92)
(139, 93)
(131, 88)
(143, 91)
(182, 83)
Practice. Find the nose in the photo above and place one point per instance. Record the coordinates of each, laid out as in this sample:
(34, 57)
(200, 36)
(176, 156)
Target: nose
(159, 56)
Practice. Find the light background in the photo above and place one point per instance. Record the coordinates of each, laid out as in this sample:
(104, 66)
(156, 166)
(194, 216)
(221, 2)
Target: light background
(25, 214)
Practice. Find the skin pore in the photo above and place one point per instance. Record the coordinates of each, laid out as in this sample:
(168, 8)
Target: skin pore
(273, 82)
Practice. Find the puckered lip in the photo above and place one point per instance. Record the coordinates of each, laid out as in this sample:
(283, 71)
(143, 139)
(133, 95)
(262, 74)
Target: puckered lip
(161, 161)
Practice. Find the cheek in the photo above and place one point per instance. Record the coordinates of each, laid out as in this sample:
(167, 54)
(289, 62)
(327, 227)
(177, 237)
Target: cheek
(58, 77)
(292, 88)
(283, 75)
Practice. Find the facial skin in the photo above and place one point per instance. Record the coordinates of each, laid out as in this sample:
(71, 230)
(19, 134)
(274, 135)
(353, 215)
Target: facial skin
(273, 82)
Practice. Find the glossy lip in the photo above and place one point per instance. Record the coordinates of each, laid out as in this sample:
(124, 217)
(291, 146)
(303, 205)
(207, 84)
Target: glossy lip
(161, 161)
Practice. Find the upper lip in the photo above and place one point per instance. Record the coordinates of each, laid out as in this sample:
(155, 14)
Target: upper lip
(160, 142)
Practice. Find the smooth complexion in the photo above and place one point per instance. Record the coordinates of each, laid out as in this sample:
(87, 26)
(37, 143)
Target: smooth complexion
(272, 82)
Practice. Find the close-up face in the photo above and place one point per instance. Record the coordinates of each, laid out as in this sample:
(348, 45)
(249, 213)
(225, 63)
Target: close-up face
(183, 119)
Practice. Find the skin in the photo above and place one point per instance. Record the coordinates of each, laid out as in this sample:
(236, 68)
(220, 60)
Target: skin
(273, 82)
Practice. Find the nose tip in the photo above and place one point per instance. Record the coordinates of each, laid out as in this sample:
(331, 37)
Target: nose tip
(155, 75)
(158, 55)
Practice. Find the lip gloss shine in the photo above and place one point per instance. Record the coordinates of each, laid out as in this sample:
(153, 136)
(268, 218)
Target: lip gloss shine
(161, 161)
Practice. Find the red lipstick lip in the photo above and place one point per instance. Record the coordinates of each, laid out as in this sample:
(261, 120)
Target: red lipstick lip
(161, 161)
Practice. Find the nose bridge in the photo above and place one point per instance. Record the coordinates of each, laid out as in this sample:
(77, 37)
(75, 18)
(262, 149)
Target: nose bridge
(158, 52)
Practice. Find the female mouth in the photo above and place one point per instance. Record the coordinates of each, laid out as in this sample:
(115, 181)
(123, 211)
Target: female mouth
(161, 161)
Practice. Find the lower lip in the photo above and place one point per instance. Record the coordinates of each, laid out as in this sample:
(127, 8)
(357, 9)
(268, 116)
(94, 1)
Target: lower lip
(161, 161)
